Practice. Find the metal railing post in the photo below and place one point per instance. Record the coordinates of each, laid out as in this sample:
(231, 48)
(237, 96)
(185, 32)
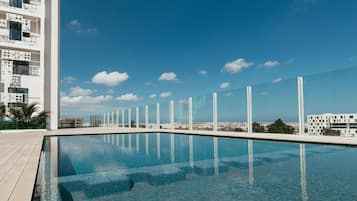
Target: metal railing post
(190, 113)
(137, 117)
(301, 105)
(122, 118)
(129, 117)
(214, 103)
(249, 110)
(146, 116)
(158, 115)
(172, 115)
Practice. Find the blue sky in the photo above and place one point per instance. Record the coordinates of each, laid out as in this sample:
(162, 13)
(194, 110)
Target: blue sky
(129, 52)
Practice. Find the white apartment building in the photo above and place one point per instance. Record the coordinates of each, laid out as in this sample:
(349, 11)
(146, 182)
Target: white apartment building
(29, 54)
(345, 123)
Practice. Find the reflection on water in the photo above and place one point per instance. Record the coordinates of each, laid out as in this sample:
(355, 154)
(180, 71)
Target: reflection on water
(181, 167)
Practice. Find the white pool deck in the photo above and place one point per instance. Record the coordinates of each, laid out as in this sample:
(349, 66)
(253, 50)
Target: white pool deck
(20, 152)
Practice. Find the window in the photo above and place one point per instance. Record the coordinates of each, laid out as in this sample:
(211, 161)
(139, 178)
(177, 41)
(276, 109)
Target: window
(27, 1)
(21, 94)
(21, 67)
(15, 31)
(16, 3)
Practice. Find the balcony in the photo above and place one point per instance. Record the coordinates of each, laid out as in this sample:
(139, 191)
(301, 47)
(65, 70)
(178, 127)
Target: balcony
(32, 9)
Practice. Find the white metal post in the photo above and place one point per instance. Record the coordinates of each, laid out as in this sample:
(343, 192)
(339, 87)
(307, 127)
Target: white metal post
(301, 105)
(190, 113)
(129, 117)
(117, 119)
(146, 116)
(112, 118)
(108, 119)
(158, 115)
(249, 110)
(122, 118)
(172, 115)
(137, 117)
(214, 103)
(104, 119)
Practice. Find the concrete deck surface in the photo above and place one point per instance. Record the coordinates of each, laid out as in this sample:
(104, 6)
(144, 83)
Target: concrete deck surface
(20, 152)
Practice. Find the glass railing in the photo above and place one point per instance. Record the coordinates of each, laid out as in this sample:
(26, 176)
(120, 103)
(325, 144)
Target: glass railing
(320, 104)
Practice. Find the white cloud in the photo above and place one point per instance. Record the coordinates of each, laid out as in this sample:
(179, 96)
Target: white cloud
(78, 91)
(237, 65)
(68, 80)
(152, 96)
(128, 97)
(110, 79)
(271, 64)
(110, 91)
(263, 93)
(228, 94)
(166, 94)
(76, 26)
(83, 100)
(224, 85)
(62, 93)
(169, 76)
(277, 80)
(202, 72)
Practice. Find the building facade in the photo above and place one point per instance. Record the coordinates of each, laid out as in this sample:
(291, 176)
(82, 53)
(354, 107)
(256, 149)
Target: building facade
(29, 54)
(346, 124)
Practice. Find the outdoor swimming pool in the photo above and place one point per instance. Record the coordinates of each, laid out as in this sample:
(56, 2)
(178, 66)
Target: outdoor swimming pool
(163, 166)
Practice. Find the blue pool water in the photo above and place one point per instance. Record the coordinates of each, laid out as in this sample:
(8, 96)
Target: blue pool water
(171, 167)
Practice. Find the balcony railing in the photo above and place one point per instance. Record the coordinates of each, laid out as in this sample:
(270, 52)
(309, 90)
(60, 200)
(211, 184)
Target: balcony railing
(33, 7)
(32, 41)
(281, 105)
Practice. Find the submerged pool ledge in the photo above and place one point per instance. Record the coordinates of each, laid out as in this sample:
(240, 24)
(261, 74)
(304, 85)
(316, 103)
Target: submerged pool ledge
(349, 141)
(20, 152)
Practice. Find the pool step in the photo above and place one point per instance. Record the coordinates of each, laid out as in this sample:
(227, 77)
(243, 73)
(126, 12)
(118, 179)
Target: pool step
(97, 184)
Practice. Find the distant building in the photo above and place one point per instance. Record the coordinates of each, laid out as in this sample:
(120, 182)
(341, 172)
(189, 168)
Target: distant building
(345, 123)
(71, 123)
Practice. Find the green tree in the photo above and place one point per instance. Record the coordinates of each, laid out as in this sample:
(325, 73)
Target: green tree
(257, 128)
(28, 116)
(279, 126)
(331, 132)
(2, 111)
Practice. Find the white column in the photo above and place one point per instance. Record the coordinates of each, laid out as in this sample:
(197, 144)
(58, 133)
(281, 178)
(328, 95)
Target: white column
(104, 119)
(172, 115)
(251, 161)
(157, 115)
(214, 104)
(303, 183)
(190, 144)
(301, 105)
(117, 118)
(123, 118)
(158, 146)
(112, 118)
(146, 116)
(108, 118)
(190, 113)
(137, 117)
(129, 117)
(215, 156)
(249, 110)
(50, 26)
